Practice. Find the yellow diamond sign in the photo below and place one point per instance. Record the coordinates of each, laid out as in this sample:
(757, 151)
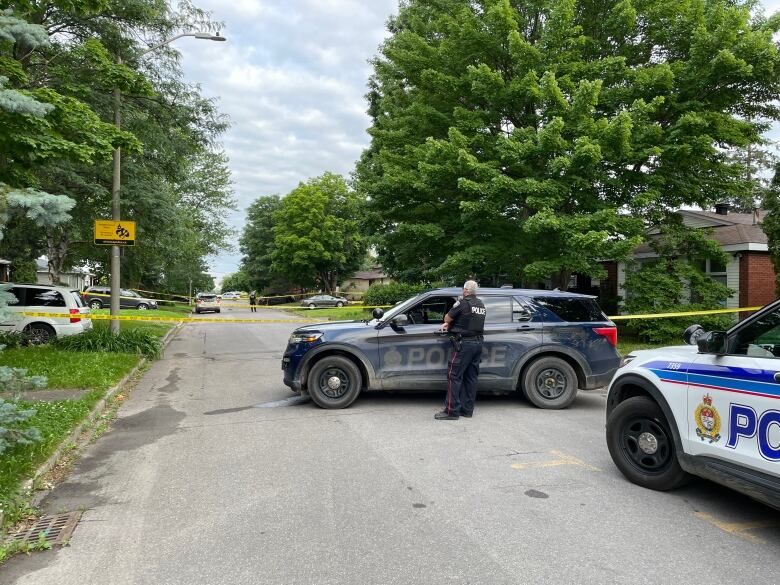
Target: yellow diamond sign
(114, 232)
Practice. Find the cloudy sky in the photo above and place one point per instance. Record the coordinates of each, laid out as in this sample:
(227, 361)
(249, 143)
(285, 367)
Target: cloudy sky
(292, 77)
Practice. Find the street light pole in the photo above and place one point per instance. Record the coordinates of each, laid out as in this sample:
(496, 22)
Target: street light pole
(116, 185)
(115, 211)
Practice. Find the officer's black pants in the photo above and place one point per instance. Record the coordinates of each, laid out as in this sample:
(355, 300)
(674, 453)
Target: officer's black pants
(462, 375)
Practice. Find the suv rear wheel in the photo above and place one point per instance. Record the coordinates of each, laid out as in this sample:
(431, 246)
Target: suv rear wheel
(642, 446)
(95, 304)
(39, 333)
(334, 382)
(550, 382)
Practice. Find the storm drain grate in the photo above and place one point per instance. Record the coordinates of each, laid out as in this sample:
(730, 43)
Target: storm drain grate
(56, 529)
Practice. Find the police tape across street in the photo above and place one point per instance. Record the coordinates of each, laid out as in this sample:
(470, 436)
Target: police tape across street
(176, 319)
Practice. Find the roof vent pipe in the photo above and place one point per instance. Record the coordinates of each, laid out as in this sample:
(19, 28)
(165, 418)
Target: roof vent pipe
(722, 208)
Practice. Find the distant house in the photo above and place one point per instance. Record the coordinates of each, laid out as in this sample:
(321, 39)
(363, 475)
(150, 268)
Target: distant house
(77, 278)
(360, 281)
(748, 270)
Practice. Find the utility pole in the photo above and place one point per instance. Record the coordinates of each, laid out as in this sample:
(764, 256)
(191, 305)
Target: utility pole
(116, 182)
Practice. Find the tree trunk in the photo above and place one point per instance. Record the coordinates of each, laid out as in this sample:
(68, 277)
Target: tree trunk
(560, 279)
(57, 242)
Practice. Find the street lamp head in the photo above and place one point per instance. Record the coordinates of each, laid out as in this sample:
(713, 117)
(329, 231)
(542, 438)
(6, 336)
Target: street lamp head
(209, 36)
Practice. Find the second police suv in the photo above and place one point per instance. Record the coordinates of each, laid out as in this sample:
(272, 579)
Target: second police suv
(545, 344)
(711, 408)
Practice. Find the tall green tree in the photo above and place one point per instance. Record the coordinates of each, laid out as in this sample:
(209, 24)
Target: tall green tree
(257, 243)
(317, 234)
(523, 140)
(176, 184)
(771, 223)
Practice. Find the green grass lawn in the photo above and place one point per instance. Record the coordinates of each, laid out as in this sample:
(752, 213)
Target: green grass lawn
(55, 420)
(157, 328)
(333, 314)
(167, 312)
(70, 369)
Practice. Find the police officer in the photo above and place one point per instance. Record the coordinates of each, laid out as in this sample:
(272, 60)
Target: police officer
(466, 323)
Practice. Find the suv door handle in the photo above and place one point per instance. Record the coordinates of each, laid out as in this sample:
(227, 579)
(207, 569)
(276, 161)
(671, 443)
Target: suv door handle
(524, 327)
(777, 376)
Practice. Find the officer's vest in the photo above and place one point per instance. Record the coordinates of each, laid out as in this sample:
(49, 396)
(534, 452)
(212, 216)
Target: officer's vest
(472, 321)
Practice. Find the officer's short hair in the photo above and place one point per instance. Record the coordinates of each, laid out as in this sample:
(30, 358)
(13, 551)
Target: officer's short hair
(471, 286)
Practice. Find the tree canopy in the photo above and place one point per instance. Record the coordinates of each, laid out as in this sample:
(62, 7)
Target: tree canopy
(175, 181)
(523, 140)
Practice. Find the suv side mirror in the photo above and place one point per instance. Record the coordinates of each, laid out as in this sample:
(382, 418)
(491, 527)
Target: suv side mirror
(712, 342)
(377, 313)
(399, 320)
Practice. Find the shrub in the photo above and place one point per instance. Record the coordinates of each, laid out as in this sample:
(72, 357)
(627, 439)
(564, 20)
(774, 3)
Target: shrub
(390, 294)
(101, 339)
(12, 339)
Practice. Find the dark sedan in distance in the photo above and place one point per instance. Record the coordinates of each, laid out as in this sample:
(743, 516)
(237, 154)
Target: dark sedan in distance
(324, 301)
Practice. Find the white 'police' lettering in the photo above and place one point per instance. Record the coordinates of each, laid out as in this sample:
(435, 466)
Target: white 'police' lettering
(478, 310)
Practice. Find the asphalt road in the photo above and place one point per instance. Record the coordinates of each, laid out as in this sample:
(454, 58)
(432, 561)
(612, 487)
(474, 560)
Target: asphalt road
(206, 479)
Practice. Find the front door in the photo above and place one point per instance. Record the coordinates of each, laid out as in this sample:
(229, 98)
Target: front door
(734, 399)
(413, 357)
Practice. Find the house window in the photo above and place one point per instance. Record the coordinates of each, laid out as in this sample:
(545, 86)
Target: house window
(714, 269)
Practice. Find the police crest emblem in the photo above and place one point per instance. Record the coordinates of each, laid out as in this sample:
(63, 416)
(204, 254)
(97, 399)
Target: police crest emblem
(707, 420)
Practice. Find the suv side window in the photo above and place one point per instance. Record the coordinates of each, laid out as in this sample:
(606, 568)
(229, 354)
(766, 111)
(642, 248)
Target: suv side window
(44, 298)
(497, 309)
(572, 309)
(19, 293)
(431, 310)
(759, 339)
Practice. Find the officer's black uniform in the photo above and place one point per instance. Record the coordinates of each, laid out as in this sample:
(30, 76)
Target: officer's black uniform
(467, 328)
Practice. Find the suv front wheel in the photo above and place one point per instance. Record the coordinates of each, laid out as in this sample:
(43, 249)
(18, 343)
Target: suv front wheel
(334, 382)
(550, 382)
(95, 304)
(642, 446)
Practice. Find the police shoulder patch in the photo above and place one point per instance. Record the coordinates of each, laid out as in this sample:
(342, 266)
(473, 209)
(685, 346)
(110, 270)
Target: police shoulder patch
(455, 306)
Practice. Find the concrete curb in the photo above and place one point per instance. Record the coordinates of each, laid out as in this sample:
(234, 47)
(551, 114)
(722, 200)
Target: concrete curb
(88, 422)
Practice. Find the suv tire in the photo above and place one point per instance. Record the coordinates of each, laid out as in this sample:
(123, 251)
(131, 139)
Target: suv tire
(328, 372)
(550, 383)
(95, 304)
(642, 446)
(39, 333)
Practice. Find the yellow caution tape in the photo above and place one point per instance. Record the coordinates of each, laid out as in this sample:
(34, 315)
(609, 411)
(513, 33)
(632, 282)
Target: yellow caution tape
(683, 314)
(103, 317)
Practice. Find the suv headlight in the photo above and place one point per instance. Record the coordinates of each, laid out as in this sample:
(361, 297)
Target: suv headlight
(305, 337)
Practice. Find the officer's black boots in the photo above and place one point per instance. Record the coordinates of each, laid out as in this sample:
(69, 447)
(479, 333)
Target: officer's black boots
(444, 415)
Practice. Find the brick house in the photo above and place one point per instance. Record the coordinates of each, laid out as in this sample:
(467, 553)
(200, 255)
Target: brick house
(748, 270)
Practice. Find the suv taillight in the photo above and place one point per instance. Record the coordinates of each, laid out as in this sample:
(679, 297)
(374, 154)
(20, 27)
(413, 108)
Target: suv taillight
(74, 319)
(609, 332)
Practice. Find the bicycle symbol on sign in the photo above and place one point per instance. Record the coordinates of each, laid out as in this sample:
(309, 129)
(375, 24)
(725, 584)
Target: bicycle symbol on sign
(122, 232)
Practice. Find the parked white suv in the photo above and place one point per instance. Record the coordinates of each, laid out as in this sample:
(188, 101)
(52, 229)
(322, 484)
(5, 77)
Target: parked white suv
(46, 299)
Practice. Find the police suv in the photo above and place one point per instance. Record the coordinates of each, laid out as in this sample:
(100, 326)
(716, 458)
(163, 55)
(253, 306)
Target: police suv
(710, 408)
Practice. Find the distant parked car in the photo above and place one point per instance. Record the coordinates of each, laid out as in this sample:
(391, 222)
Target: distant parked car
(324, 301)
(46, 299)
(207, 302)
(230, 296)
(98, 297)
